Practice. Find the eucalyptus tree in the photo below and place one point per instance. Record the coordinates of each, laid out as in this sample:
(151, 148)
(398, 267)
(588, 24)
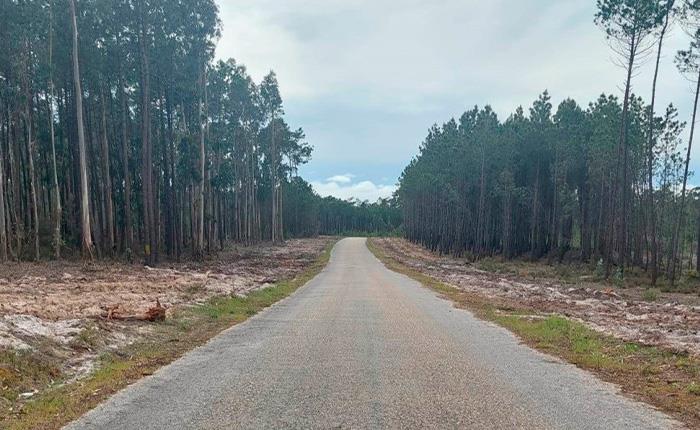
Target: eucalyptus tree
(56, 196)
(271, 103)
(86, 231)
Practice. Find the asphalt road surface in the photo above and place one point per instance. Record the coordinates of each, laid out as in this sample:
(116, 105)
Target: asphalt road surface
(363, 347)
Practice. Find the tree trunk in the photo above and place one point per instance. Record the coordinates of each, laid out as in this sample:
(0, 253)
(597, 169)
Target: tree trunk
(107, 180)
(3, 221)
(681, 211)
(86, 238)
(146, 150)
(622, 157)
(650, 160)
(128, 228)
(32, 176)
(57, 241)
(199, 247)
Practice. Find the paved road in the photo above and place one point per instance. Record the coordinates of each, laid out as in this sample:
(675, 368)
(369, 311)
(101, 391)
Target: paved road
(362, 347)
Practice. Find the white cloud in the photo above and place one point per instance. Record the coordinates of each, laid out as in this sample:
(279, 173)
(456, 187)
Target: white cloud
(367, 78)
(363, 190)
(409, 56)
(341, 179)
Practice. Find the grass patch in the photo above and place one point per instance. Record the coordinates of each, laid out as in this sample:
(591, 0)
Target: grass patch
(187, 329)
(650, 295)
(666, 379)
(694, 388)
(575, 272)
(23, 372)
(531, 270)
(87, 339)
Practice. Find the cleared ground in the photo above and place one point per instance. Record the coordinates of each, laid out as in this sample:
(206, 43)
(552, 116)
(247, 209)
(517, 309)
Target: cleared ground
(363, 347)
(670, 320)
(60, 321)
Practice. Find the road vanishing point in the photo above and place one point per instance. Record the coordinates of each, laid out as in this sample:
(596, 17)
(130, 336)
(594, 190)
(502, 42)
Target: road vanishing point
(362, 347)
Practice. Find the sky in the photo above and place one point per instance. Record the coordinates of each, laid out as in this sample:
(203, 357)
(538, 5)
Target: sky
(366, 79)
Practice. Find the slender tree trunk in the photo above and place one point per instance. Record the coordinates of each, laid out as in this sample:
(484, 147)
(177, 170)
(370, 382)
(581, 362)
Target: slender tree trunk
(622, 157)
(86, 240)
(480, 229)
(126, 172)
(3, 221)
(534, 227)
(32, 204)
(650, 159)
(16, 207)
(57, 241)
(146, 151)
(107, 180)
(32, 177)
(199, 248)
(273, 195)
(681, 211)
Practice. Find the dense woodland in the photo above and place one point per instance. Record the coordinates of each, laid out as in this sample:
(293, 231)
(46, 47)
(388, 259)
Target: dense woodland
(607, 182)
(307, 214)
(120, 135)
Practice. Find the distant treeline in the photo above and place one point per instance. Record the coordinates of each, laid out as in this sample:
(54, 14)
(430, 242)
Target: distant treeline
(309, 214)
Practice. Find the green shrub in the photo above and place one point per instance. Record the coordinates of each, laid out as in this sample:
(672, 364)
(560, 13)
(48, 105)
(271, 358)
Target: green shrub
(650, 294)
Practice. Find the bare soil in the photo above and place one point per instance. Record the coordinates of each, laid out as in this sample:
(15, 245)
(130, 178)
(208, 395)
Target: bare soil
(71, 311)
(671, 321)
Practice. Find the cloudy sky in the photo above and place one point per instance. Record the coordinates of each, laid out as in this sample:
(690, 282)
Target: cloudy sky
(367, 78)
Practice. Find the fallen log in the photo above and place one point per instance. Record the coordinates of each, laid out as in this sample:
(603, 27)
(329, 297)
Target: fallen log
(152, 314)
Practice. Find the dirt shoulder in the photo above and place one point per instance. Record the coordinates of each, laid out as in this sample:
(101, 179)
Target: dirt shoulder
(650, 349)
(671, 321)
(67, 327)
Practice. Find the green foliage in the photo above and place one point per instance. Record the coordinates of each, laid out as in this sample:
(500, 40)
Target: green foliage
(629, 19)
(539, 185)
(353, 217)
(650, 294)
(307, 214)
